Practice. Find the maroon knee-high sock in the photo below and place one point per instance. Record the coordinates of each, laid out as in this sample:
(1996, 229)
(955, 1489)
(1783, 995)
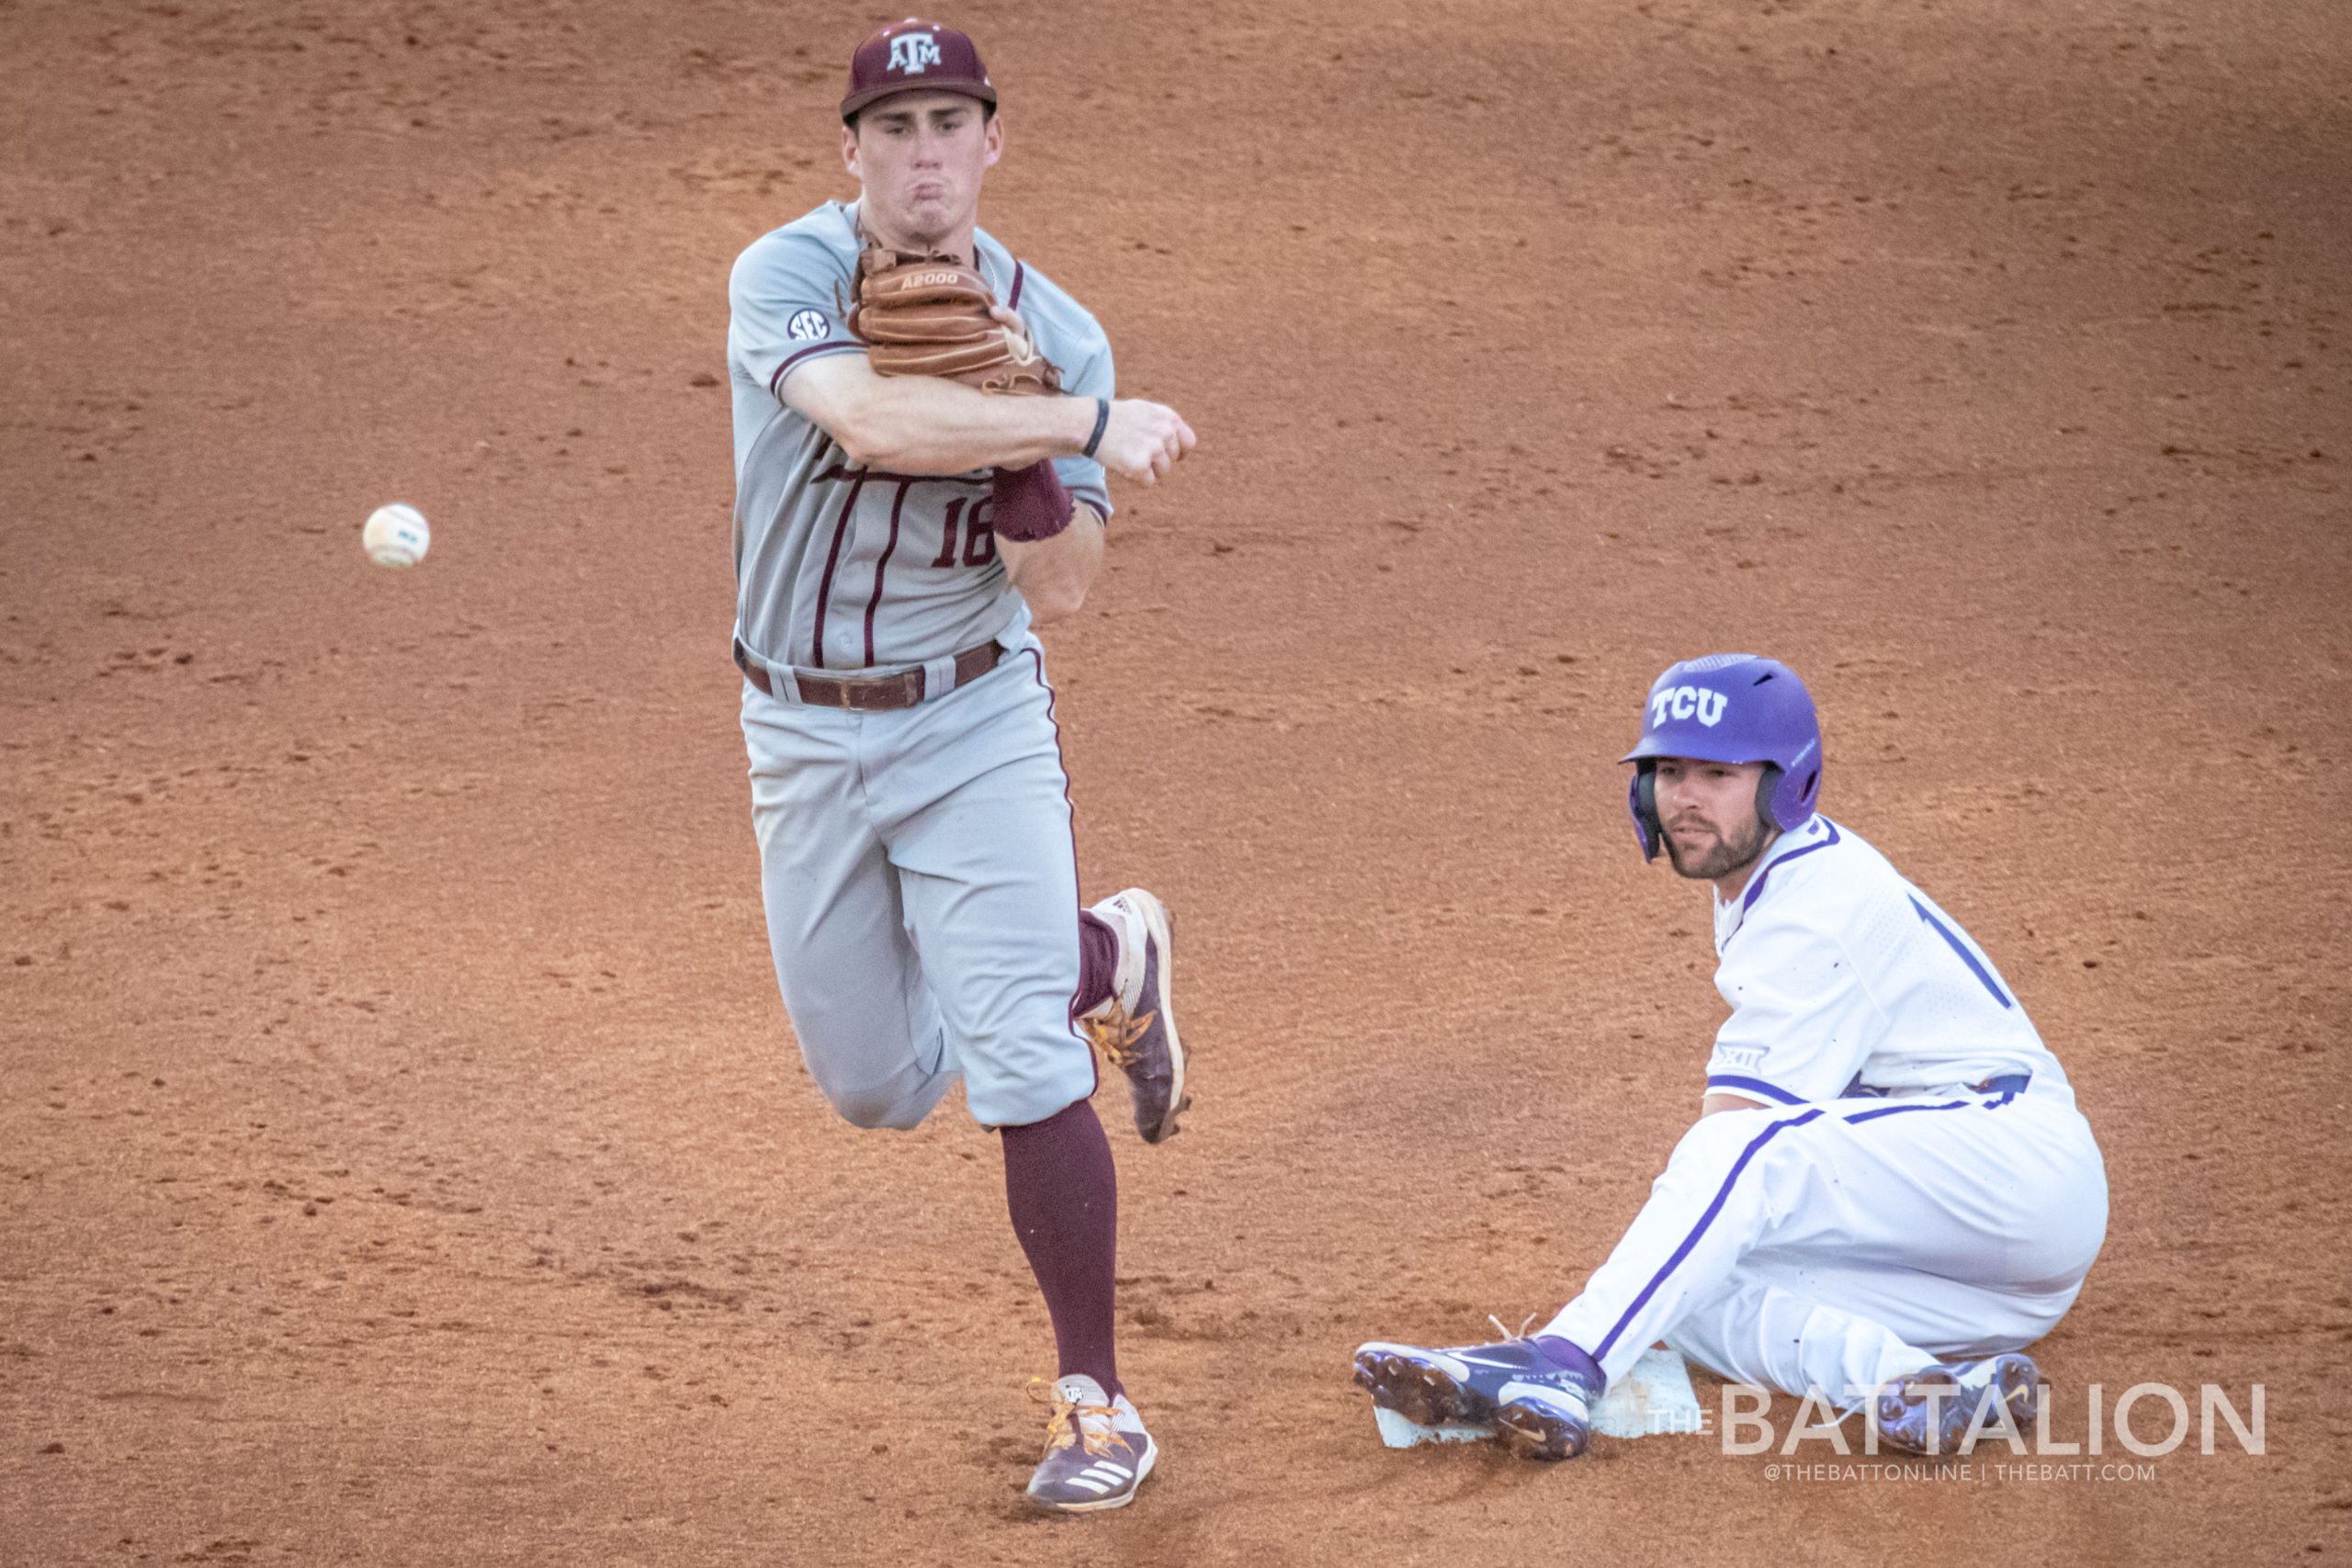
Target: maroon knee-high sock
(1063, 1192)
(1098, 962)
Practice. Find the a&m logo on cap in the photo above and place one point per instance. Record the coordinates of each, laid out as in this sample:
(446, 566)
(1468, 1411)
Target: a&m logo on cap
(914, 56)
(909, 52)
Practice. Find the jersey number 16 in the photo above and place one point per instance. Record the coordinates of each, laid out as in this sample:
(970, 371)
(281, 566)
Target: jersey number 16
(979, 539)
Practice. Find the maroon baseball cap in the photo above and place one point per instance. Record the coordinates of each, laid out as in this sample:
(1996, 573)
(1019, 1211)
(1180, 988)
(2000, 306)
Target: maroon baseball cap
(915, 56)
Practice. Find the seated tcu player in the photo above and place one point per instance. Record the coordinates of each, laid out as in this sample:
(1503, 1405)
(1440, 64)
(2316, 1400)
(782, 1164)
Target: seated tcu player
(1888, 1193)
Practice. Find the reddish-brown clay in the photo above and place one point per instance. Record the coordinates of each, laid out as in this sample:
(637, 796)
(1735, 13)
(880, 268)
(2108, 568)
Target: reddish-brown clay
(405, 1158)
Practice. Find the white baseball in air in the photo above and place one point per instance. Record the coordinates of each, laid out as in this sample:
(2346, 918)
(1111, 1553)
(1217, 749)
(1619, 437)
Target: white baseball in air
(397, 535)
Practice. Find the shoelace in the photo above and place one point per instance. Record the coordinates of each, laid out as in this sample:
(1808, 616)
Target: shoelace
(1089, 1425)
(1505, 1333)
(1114, 1035)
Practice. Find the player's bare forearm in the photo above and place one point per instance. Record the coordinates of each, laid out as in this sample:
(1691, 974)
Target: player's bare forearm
(1055, 574)
(1716, 1104)
(923, 424)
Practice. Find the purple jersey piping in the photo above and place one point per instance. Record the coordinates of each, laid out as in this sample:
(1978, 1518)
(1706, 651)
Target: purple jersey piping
(1898, 1110)
(1737, 1084)
(1975, 967)
(1755, 888)
(1601, 1351)
(1723, 1192)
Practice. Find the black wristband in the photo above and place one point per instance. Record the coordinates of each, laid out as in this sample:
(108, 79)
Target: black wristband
(1101, 423)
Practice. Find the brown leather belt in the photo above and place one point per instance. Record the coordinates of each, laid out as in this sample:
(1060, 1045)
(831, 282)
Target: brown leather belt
(872, 694)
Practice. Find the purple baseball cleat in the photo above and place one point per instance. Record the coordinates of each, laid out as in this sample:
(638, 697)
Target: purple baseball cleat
(1538, 1402)
(1135, 1029)
(1932, 1411)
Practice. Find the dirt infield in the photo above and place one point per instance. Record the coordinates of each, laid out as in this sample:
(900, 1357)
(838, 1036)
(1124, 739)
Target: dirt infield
(405, 1160)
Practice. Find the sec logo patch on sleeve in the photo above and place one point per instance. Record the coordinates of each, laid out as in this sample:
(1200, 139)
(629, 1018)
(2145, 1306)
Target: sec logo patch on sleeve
(809, 325)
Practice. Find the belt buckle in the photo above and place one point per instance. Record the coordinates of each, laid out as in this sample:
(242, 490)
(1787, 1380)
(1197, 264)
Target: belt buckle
(882, 693)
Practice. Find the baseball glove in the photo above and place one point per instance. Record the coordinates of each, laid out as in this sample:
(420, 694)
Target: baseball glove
(928, 315)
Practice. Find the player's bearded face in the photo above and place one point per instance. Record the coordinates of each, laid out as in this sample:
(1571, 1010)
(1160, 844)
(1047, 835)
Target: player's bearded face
(1708, 813)
(920, 158)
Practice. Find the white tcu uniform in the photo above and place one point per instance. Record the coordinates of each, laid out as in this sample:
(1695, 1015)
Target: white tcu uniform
(1918, 1186)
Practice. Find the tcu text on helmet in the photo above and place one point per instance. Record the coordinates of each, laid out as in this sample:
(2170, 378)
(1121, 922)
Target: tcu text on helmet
(1688, 702)
(909, 52)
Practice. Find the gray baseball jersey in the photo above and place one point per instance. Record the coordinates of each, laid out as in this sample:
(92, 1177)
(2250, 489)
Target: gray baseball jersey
(839, 567)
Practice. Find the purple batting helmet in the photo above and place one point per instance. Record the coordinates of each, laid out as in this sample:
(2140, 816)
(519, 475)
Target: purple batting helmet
(1730, 707)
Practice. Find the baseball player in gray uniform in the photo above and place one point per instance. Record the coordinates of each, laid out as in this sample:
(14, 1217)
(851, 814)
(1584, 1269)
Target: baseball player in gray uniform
(897, 539)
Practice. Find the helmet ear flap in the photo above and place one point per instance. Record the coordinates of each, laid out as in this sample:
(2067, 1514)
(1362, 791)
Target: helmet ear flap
(1785, 800)
(1768, 790)
(1642, 800)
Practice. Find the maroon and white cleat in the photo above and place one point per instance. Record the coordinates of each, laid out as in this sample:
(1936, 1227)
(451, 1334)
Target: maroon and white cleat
(1134, 1028)
(1097, 1453)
